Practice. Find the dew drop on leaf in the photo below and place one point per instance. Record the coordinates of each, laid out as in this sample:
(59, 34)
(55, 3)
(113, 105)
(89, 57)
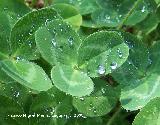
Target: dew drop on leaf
(103, 90)
(119, 53)
(113, 65)
(53, 42)
(16, 94)
(101, 70)
(70, 41)
(81, 98)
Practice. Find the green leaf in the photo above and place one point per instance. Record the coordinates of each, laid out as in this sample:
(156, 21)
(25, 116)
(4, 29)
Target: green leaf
(9, 107)
(54, 111)
(22, 35)
(149, 24)
(84, 6)
(17, 92)
(69, 14)
(10, 12)
(4, 78)
(111, 15)
(100, 102)
(71, 81)
(139, 78)
(102, 52)
(58, 42)
(27, 74)
(86, 121)
(149, 115)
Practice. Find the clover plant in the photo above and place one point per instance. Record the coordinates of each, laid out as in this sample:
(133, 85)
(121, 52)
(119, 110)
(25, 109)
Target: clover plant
(79, 62)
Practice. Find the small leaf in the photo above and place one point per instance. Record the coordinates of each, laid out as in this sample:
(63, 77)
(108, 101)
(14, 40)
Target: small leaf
(71, 81)
(149, 115)
(58, 42)
(69, 14)
(84, 6)
(100, 102)
(27, 74)
(102, 52)
(22, 34)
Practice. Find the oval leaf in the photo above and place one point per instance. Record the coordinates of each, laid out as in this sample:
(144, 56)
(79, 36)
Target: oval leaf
(102, 52)
(58, 42)
(71, 81)
(22, 35)
(27, 74)
(149, 115)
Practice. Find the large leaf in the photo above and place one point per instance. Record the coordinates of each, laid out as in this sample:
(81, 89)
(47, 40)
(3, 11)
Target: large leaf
(102, 52)
(112, 13)
(100, 102)
(139, 82)
(22, 35)
(69, 14)
(58, 42)
(149, 115)
(71, 81)
(27, 74)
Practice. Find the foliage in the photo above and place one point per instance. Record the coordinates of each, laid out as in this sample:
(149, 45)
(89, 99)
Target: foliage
(79, 62)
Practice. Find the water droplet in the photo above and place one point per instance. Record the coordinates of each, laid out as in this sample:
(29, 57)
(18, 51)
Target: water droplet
(101, 70)
(16, 94)
(81, 98)
(46, 22)
(119, 53)
(143, 9)
(18, 59)
(53, 42)
(70, 41)
(103, 90)
(113, 65)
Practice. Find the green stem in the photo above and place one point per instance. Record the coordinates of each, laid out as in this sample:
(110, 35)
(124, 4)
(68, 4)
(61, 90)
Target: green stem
(114, 116)
(128, 14)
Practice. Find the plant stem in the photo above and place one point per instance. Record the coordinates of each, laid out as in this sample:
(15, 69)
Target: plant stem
(128, 14)
(114, 116)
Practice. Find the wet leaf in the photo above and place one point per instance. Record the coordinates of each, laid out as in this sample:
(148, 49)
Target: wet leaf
(71, 81)
(27, 74)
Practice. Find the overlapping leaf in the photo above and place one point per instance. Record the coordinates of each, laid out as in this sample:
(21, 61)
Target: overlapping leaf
(69, 14)
(22, 35)
(9, 108)
(58, 42)
(53, 110)
(149, 114)
(10, 12)
(100, 102)
(27, 74)
(102, 52)
(71, 81)
(113, 12)
(139, 78)
(84, 6)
